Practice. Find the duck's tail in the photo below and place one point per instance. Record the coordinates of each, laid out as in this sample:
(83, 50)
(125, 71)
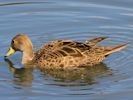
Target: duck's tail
(109, 50)
(95, 41)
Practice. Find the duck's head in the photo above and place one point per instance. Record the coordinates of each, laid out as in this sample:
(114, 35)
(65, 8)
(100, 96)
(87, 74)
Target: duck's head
(21, 43)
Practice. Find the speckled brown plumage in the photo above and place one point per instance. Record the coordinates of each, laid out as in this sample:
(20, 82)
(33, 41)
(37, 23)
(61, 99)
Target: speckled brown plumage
(70, 54)
(63, 53)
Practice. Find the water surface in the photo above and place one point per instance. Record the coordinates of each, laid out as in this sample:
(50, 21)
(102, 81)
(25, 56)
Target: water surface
(78, 20)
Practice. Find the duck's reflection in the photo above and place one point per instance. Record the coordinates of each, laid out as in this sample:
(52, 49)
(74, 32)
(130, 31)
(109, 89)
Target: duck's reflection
(75, 77)
(22, 76)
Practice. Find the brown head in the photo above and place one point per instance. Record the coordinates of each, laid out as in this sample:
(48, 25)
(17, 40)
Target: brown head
(21, 43)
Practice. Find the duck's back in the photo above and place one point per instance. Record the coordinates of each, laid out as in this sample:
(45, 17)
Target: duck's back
(61, 53)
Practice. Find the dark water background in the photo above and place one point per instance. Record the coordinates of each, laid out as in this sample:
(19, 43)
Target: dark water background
(46, 20)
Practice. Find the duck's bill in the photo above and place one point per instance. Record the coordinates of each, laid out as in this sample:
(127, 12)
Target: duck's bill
(10, 52)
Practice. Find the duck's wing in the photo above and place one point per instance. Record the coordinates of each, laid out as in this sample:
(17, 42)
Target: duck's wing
(53, 45)
(62, 48)
(58, 44)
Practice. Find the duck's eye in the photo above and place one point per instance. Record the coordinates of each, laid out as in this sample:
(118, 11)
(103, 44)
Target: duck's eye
(13, 41)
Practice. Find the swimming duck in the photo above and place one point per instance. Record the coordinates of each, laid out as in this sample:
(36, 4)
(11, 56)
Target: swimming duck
(62, 53)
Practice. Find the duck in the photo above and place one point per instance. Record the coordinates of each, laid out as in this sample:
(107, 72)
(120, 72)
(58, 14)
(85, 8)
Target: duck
(62, 53)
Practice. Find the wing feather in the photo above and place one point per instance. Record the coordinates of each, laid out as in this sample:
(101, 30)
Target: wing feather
(62, 48)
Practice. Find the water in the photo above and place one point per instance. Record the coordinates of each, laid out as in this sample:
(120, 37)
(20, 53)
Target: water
(78, 20)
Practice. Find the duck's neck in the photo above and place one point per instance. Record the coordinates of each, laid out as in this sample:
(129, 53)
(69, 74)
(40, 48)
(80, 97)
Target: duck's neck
(27, 56)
